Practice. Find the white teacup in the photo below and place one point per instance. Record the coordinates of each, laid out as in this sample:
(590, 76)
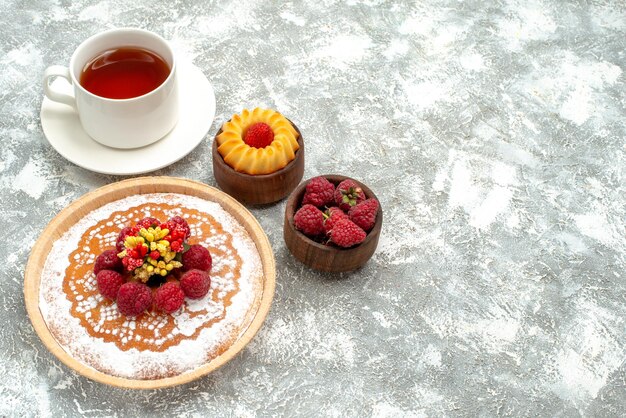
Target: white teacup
(119, 123)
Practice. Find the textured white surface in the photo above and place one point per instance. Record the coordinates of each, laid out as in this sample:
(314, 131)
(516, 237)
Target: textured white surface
(493, 134)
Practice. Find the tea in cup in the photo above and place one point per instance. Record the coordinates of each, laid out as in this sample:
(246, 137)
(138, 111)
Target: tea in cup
(124, 85)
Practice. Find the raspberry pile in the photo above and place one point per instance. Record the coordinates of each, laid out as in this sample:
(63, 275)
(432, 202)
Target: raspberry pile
(153, 266)
(340, 215)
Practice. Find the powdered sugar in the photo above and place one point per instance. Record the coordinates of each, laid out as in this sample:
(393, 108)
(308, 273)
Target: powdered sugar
(154, 345)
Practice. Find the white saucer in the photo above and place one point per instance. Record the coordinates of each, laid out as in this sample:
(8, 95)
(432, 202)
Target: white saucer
(63, 130)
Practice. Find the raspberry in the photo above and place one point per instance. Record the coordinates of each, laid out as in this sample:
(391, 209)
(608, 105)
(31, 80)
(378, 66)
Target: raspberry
(309, 220)
(197, 257)
(108, 260)
(109, 283)
(148, 222)
(348, 194)
(133, 298)
(331, 216)
(119, 244)
(181, 229)
(364, 214)
(131, 263)
(169, 297)
(176, 246)
(319, 192)
(195, 283)
(346, 233)
(259, 135)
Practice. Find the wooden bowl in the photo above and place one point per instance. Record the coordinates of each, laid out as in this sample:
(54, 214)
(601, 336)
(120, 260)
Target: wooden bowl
(259, 189)
(325, 257)
(95, 199)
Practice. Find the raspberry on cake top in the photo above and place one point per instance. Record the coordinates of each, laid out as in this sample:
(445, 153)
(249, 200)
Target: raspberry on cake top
(261, 141)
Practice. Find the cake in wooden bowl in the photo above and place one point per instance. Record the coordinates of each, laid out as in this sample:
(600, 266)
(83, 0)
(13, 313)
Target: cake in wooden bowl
(258, 156)
(160, 344)
(332, 223)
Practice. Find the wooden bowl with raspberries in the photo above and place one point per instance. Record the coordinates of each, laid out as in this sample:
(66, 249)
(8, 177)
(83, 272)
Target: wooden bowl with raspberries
(332, 223)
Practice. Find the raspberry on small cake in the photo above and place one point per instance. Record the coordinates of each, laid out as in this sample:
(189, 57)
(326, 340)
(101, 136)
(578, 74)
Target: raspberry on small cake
(259, 135)
(133, 298)
(169, 297)
(108, 260)
(195, 284)
(109, 283)
(331, 216)
(347, 194)
(197, 257)
(364, 214)
(319, 192)
(347, 234)
(309, 220)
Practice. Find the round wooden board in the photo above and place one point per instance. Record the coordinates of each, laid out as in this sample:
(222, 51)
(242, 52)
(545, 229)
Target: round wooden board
(97, 198)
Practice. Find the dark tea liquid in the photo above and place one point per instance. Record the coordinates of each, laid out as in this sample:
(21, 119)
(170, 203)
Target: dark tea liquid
(125, 72)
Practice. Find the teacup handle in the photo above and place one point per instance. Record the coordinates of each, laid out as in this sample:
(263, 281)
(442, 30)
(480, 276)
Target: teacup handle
(53, 94)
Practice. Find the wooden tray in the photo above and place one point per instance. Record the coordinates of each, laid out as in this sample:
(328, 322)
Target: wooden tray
(97, 198)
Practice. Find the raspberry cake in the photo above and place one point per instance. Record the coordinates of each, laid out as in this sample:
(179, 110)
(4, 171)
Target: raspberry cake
(153, 345)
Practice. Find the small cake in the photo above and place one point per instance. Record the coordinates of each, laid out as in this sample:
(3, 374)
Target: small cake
(90, 301)
(261, 141)
(258, 156)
